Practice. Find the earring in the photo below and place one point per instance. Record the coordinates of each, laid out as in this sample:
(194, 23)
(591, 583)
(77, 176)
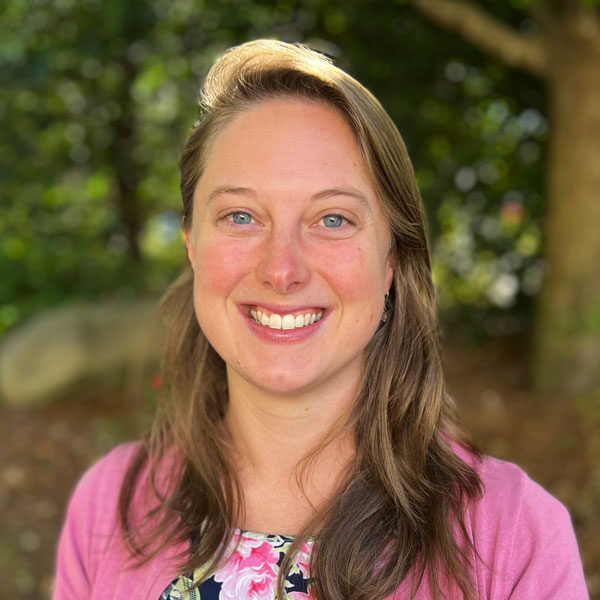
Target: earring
(387, 307)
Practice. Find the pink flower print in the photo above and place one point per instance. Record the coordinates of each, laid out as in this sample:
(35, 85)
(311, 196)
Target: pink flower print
(299, 596)
(303, 559)
(249, 583)
(251, 572)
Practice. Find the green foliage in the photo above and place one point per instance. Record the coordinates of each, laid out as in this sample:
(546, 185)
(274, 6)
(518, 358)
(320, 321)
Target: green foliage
(476, 133)
(96, 98)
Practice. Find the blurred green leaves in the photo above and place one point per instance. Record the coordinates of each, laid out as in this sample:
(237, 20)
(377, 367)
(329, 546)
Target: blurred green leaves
(488, 238)
(96, 99)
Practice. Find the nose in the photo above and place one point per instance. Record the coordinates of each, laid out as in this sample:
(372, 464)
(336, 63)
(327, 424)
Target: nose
(282, 263)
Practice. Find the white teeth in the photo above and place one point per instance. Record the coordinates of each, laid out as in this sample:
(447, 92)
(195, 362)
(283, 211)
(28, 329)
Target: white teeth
(288, 322)
(275, 321)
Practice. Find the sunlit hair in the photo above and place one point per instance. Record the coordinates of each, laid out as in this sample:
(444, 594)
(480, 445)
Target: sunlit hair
(400, 512)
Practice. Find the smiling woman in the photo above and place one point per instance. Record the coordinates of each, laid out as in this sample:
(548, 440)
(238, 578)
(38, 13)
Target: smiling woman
(286, 223)
(305, 445)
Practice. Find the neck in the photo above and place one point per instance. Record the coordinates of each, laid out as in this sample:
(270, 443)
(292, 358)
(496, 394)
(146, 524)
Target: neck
(273, 432)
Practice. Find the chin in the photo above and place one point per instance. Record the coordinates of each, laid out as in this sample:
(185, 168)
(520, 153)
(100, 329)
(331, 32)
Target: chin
(281, 382)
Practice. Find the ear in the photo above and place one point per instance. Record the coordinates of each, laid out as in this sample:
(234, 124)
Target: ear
(189, 244)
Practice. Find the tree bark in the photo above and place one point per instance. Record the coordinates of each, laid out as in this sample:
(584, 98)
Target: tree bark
(487, 33)
(567, 331)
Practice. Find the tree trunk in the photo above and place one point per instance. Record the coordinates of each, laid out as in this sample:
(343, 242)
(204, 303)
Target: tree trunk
(566, 348)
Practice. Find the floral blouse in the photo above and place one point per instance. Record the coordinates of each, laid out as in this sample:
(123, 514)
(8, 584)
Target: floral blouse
(251, 572)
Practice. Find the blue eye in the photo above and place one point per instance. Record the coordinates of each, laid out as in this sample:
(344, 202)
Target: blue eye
(333, 221)
(241, 218)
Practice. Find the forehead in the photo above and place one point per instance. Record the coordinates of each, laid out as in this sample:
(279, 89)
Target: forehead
(287, 141)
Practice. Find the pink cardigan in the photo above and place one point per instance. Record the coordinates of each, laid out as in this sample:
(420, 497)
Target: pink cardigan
(522, 534)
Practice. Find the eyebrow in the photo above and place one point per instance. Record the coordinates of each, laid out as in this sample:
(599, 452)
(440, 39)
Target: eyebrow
(327, 193)
(351, 192)
(228, 189)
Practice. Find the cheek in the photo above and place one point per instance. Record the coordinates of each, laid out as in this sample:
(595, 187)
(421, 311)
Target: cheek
(220, 264)
(357, 273)
(357, 270)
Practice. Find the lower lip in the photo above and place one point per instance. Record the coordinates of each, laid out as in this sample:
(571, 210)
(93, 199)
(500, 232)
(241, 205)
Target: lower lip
(283, 336)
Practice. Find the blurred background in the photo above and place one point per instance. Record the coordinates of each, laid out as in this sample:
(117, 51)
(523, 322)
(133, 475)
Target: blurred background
(498, 105)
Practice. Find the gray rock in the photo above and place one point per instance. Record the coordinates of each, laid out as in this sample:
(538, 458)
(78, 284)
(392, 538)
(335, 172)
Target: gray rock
(53, 352)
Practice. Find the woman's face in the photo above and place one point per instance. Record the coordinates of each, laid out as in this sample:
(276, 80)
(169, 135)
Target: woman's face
(289, 248)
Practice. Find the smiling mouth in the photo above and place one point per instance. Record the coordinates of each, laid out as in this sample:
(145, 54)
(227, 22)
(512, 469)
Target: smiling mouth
(289, 321)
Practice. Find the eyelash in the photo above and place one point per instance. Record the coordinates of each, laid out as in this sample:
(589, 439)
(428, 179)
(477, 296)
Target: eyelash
(230, 216)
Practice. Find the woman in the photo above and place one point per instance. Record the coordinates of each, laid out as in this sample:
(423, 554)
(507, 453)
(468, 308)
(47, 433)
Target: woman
(305, 445)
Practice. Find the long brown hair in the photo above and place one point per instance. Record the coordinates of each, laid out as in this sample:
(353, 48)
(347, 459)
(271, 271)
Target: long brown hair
(405, 494)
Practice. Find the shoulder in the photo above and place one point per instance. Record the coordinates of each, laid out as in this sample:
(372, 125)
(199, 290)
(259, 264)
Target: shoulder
(93, 559)
(508, 490)
(524, 535)
(511, 497)
(91, 524)
(95, 500)
(92, 512)
(114, 464)
(100, 485)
